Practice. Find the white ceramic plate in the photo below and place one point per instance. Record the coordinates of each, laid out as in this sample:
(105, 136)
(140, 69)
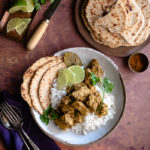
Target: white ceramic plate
(111, 71)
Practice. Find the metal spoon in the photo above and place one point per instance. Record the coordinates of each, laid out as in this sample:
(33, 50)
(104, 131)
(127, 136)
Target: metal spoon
(7, 124)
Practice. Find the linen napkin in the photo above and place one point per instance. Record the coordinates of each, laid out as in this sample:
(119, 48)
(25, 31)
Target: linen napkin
(12, 140)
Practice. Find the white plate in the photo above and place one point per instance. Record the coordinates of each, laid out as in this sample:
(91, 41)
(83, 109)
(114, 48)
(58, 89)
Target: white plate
(111, 70)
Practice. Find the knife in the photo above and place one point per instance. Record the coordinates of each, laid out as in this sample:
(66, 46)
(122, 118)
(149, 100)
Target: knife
(37, 35)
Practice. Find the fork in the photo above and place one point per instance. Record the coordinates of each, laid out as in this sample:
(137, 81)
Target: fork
(17, 122)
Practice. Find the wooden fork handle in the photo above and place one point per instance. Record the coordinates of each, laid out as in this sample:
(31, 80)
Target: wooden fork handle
(37, 35)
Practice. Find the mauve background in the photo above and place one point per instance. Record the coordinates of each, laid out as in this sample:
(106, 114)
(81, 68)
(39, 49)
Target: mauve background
(133, 132)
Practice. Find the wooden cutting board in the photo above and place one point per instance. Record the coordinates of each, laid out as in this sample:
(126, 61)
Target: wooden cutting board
(120, 52)
(8, 16)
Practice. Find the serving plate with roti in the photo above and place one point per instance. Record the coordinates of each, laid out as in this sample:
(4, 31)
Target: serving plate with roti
(39, 90)
(121, 34)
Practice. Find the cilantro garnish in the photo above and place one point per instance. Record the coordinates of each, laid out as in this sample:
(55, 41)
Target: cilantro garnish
(38, 3)
(94, 79)
(107, 85)
(49, 114)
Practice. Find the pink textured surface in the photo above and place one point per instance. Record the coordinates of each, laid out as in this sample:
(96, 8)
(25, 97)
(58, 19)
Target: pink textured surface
(133, 132)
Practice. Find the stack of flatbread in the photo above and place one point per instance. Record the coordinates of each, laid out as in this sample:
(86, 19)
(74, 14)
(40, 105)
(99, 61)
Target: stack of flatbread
(37, 82)
(117, 22)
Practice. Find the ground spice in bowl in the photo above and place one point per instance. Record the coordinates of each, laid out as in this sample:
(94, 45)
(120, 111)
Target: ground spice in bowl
(138, 62)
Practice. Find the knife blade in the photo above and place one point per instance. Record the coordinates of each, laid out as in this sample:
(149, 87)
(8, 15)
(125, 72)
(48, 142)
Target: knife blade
(37, 35)
(51, 9)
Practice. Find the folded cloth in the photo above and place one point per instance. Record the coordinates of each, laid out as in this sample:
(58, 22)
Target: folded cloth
(12, 140)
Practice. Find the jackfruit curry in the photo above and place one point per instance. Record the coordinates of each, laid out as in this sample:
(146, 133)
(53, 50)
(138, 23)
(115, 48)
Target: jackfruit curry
(81, 99)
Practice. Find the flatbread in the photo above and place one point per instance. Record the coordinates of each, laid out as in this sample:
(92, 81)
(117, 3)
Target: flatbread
(114, 21)
(125, 18)
(46, 83)
(145, 8)
(94, 9)
(34, 86)
(28, 76)
(132, 30)
(97, 8)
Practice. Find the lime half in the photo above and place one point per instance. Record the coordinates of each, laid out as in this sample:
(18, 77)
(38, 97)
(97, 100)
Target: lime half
(61, 80)
(21, 28)
(23, 5)
(79, 73)
(14, 23)
(70, 76)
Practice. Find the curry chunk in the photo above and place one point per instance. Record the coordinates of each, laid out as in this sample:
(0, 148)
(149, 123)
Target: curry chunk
(93, 102)
(81, 94)
(79, 85)
(88, 77)
(78, 118)
(61, 124)
(95, 67)
(81, 108)
(103, 111)
(66, 100)
(67, 108)
(68, 119)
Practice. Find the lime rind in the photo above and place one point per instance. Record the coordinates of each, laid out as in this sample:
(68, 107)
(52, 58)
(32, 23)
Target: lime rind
(79, 73)
(23, 5)
(62, 80)
(70, 76)
(13, 24)
(21, 28)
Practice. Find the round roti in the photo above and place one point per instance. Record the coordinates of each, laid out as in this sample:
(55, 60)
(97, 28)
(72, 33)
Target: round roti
(34, 86)
(28, 76)
(90, 13)
(125, 18)
(46, 83)
(145, 8)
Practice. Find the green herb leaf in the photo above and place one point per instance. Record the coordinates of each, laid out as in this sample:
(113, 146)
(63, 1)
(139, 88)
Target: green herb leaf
(43, 1)
(102, 102)
(54, 115)
(37, 6)
(94, 79)
(107, 85)
(44, 119)
(52, 1)
(48, 110)
(49, 114)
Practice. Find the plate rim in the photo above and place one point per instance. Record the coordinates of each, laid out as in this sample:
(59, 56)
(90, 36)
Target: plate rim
(116, 124)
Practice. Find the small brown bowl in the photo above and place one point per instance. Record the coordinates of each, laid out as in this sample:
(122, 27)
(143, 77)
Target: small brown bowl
(138, 62)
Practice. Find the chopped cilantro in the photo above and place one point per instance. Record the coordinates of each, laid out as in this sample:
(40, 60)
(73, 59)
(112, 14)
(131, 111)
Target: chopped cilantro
(107, 85)
(49, 114)
(94, 79)
(38, 3)
(101, 104)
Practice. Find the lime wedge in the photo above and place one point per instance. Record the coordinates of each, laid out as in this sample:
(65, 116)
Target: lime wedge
(30, 6)
(21, 28)
(23, 5)
(14, 23)
(61, 80)
(70, 76)
(79, 73)
(18, 5)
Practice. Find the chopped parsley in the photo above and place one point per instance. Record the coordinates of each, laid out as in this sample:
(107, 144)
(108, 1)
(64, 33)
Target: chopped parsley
(49, 114)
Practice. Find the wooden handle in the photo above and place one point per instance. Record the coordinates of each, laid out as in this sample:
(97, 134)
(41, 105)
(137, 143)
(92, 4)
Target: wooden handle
(35, 38)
